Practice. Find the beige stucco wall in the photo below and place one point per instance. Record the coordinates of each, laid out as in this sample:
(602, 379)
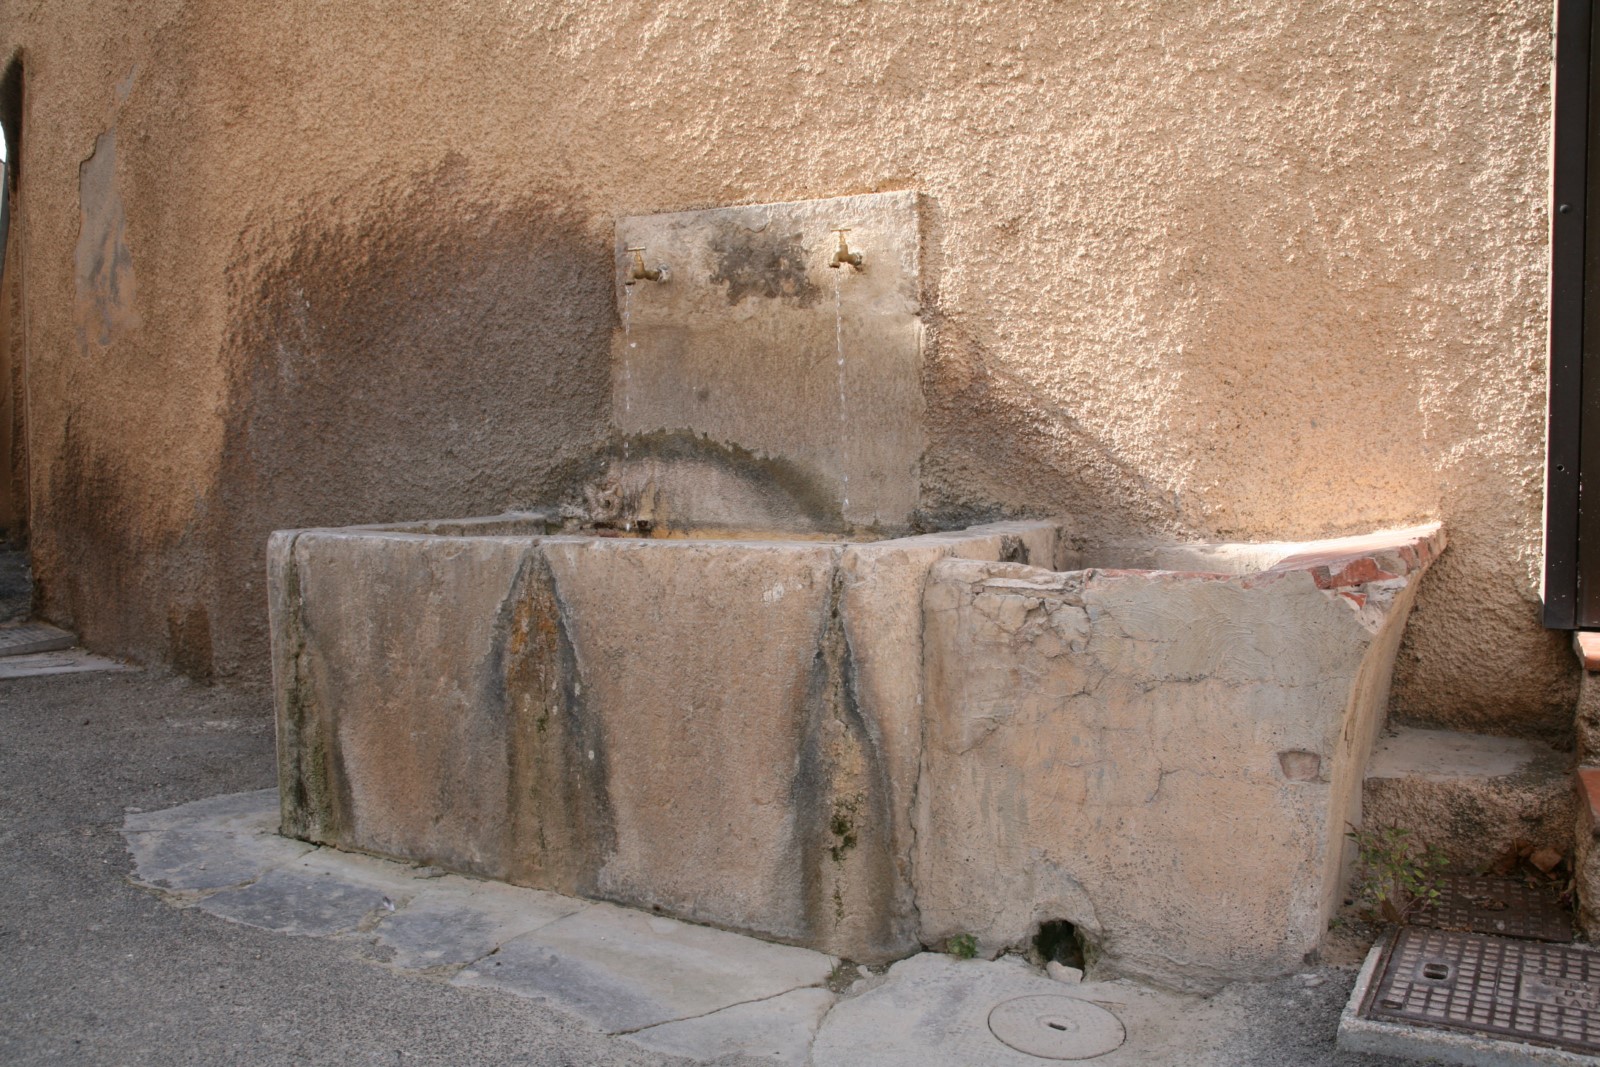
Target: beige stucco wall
(1232, 269)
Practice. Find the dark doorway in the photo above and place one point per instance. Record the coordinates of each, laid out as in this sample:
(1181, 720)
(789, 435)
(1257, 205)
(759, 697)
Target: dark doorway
(13, 337)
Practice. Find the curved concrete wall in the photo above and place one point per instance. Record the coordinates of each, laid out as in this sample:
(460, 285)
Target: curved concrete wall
(1215, 270)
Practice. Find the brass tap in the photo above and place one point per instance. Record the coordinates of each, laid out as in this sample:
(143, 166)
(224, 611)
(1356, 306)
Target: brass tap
(842, 254)
(642, 273)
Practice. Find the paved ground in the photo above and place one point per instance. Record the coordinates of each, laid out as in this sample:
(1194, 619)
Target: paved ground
(95, 970)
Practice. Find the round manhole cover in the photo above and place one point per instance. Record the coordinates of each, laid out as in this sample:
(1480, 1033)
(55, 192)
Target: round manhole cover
(1056, 1028)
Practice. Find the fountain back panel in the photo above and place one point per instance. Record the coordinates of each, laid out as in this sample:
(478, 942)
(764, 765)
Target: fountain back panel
(780, 714)
(754, 342)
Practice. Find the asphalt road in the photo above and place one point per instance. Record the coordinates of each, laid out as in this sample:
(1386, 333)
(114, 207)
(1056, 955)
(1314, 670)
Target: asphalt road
(96, 971)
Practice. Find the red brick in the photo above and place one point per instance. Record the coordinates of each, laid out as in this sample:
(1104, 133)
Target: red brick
(1586, 643)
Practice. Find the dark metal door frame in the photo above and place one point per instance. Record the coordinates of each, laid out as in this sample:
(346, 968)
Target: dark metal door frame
(1572, 576)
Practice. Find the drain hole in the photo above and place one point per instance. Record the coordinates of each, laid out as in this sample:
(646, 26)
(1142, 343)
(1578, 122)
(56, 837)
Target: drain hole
(1055, 1026)
(1059, 940)
(1436, 972)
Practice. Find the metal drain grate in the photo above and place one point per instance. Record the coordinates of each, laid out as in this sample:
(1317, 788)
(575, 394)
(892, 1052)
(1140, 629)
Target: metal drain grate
(1509, 907)
(27, 638)
(1547, 994)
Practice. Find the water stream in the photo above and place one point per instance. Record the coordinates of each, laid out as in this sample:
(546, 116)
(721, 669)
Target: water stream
(844, 427)
(628, 345)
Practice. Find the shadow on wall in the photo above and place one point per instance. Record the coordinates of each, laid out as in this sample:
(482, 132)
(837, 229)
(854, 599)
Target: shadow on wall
(441, 355)
(992, 437)
(435, 354)
(996, 447)
(1296, 410)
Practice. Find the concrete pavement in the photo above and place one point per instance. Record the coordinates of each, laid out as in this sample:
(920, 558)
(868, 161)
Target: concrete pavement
(95, 969)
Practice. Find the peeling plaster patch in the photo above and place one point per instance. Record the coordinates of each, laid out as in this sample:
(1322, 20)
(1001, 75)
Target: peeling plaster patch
(1301, 766)
(103, 265)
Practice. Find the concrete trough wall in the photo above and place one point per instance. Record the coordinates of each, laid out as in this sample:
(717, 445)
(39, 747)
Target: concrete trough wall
(1168, 760)
(726, 731)
(857, 747)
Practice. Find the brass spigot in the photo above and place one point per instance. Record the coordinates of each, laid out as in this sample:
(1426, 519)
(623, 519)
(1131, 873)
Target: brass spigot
(642, 273)
(842, 254)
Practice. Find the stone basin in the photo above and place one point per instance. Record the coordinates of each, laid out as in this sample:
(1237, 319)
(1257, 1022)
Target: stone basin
(861, 747)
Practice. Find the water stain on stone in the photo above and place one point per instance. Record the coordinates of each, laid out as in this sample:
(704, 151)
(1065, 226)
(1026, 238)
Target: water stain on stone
(840, 794)
(765, 265)
(103, 266)
(793, 497)
(562, 828)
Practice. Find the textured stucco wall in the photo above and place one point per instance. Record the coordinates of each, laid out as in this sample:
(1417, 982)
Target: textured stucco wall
(1224, 269)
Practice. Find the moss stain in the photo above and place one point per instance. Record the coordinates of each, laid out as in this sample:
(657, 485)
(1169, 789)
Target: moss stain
(843, 827)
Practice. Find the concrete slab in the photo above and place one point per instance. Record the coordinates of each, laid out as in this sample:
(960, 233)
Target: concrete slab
(457, 920)
(681, 990)
(72, 661)
(779, 1030)
(401, 882)
(251, 812)
(933, 1011)
(321, 894)
(196, 860)
(1358, 1034)
(1442, 755)
(622, 970)
(292, 901)
(23, 638)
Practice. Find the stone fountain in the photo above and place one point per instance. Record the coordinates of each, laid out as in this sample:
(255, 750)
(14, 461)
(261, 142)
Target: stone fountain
(735, 685)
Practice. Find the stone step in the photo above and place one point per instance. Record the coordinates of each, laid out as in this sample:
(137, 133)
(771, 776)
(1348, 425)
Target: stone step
(28, 638)
(67, 661)
(1473, 796)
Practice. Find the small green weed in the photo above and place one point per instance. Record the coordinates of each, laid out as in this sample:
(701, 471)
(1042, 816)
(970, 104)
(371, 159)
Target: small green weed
(1395, 873)
(843, 976)
(962, 946)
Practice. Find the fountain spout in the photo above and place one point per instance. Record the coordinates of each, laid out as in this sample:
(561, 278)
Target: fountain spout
(842, 254)
(642, 273)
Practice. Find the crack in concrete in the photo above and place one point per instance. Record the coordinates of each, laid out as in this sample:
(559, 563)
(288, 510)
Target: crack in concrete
(495, 951)
(730, 1007)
